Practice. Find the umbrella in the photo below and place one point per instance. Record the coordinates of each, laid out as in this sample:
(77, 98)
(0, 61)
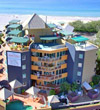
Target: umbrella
(15, 84)
(33, 90)
(5, 93)
(53, 99)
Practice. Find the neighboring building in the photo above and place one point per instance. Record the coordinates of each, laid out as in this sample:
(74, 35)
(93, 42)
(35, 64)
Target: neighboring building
(35, 27)
(18, 60)
(81, 59)
(14, 28)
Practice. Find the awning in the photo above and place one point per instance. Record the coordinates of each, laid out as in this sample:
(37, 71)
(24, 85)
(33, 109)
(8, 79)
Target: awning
(51, 25)
(33, 90)
(86, 86)
(14, 21)
(53, 99)
(15, 84)
(79, 39)
(5, 93)
(19, 40)
(66, 33)
(14, 26)
(14, 32)
(49, 38)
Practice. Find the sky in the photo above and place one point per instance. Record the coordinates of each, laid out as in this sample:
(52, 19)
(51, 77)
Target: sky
(49, 5)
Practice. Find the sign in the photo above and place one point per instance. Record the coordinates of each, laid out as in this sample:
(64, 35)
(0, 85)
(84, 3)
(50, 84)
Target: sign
(14, 59)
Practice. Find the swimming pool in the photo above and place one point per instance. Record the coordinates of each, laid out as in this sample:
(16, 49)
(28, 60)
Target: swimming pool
(17, 105)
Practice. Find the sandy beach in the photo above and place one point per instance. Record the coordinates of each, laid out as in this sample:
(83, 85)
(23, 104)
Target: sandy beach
(5, 18)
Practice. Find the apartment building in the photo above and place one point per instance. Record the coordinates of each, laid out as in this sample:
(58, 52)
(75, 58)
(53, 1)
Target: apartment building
(44, 60)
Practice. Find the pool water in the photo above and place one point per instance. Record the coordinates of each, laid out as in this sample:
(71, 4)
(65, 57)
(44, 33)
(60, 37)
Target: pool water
(17, 105)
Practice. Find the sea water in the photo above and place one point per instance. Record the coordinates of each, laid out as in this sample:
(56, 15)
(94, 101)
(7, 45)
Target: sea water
(51, 7)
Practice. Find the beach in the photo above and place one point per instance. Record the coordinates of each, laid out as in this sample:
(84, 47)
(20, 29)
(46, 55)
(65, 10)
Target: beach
(5, 18)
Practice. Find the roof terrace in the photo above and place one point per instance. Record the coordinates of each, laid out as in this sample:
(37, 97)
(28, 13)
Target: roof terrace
(48, 46)
(81, 43)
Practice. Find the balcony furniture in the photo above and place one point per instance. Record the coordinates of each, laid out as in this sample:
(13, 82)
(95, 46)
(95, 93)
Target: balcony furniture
(93, 94)
(73, 97)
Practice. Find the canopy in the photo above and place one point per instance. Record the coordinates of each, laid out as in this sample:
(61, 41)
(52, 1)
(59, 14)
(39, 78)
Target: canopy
(14, 32)
(79, 39)
(53, 99)
(66, 33)
(33, 90)
(14, 26)
(19, 40)
(49, 38)
(51, 25)
(14, 21)
(86, 86)
(5, 93)
(15, 84)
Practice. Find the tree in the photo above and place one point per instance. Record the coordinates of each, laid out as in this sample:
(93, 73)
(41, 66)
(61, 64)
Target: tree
(96, 79)
(52, 92)
(65, 87)
(93, 26)
(74, 86)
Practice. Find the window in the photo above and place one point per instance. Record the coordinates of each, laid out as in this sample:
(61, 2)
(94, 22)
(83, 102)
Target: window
(23, 67)
(24, 75)
(78, 73)
(81, 56)
(79, 64)
(24, 57)
(78, 82)
(24, 83)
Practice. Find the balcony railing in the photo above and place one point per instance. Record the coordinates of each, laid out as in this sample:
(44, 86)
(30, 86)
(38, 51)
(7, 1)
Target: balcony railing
(49, 77)
(48, 86)
(49, 59)
(49, 68)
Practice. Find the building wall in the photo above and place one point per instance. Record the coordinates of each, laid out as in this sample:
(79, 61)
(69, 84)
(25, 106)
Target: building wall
(89, 65)
(15, 72)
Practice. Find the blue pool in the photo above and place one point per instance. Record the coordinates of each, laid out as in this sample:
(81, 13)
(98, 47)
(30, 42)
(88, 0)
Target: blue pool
(17, 105)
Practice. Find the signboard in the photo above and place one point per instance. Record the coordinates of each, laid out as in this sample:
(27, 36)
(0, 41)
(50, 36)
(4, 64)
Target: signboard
(14, 59)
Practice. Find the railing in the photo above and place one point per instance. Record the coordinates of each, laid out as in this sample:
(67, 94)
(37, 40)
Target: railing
(49, 59)
(49, 77)
(48, 68)
(47, 87)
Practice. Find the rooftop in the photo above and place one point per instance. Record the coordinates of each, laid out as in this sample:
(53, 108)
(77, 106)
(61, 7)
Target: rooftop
(14, 32)
(14, 26)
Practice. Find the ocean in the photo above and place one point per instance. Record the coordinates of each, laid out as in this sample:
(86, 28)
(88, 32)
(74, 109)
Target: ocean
(88, 8)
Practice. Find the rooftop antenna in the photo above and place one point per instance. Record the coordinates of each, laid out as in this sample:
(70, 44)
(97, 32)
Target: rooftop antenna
(46, 19)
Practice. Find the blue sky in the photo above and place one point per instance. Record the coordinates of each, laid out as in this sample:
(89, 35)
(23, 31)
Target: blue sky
(50, 6)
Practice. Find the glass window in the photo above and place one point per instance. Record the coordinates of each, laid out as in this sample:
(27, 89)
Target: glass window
(23, 67)
(24, 75)
(57, 72)
(57, 54)
(81, 56)
(78, 73)
(24, 57)
(79, 64)
(60, 53)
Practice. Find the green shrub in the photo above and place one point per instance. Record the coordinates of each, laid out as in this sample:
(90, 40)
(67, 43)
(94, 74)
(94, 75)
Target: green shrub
(52, 92)
(93, 26)
(65, 87)
(96, 79)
